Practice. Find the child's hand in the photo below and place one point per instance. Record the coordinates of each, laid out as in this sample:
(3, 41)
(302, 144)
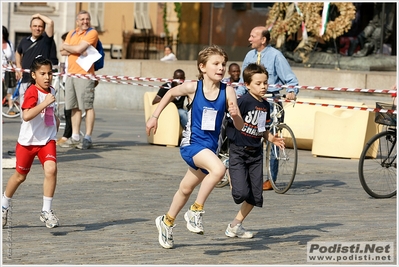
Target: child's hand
(151, 123)
(49, 99)
(277, 141)
(233, 109)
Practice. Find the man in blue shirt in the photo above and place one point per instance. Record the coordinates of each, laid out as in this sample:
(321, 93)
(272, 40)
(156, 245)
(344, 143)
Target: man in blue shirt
(279, 70)
(277, 66)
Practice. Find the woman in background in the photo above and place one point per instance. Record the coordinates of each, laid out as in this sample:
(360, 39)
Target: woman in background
(169, 56)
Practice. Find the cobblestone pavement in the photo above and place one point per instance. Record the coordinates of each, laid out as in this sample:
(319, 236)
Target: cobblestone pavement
(108, 197)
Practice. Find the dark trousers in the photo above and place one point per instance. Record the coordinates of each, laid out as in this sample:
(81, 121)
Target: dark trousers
(68, 123)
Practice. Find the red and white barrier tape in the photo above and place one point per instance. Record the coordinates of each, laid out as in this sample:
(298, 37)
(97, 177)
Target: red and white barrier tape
(147, 79)
(381, 110)
(126, 80)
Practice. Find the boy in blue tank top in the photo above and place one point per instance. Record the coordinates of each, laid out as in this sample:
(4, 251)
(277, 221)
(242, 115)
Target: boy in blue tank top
(208, 99)
(246, 150)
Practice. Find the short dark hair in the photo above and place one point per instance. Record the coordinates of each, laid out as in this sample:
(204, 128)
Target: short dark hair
(252, 69)
(266, 34)
(233, 64)
(63, 37)
(179, 71)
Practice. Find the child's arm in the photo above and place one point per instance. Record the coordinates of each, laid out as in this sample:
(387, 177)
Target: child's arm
(233, 109)
(185, 89)
(274, 139)
(31, 113)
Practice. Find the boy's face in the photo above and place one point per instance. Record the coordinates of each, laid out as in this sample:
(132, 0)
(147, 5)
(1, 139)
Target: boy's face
(234, 72)
(178, 75)
(215, 67)
(258, 86)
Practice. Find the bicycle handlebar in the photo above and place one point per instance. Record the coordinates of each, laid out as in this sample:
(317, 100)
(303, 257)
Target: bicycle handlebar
(274, 96)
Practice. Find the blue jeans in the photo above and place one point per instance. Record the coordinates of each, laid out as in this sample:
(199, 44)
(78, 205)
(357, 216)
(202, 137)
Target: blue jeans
(273, 164)
(183, 117)
(273, 160)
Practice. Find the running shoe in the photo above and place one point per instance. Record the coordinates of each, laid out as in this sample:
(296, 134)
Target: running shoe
(49, 218)
(165, 236)
(238, 231)
(194, 221)
(70, 143)
(86, 144)
(4, 215)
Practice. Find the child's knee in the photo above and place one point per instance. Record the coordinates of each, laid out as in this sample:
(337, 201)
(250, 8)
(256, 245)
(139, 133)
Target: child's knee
(219, 172)
(19, 177)
(185, 190)
(240, 196)
(50, 168)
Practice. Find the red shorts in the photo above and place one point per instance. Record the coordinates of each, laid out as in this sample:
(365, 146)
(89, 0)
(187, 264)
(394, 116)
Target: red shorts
(26, 154)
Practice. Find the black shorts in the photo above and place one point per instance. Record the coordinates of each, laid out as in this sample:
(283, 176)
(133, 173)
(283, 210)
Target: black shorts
(246, 174)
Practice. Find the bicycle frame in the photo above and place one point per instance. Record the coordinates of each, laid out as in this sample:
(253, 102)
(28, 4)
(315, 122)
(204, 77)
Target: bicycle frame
(281, 163)
(275, 115)
(385, 162)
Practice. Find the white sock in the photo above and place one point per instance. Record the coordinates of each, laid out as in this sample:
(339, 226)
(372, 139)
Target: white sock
(5, 201)
(76, 137)
(47, 201)
(88, 137)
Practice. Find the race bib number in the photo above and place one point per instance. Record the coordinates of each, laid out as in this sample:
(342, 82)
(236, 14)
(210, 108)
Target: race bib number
(208, 119)
(262, 121)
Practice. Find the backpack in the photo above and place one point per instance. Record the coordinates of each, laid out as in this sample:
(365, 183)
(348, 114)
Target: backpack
(99, 64)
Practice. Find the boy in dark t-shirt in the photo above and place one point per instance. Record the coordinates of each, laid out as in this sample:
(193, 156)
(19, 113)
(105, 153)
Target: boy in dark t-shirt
(246, 157)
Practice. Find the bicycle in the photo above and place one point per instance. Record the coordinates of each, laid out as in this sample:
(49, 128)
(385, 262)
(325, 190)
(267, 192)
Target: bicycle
(14, 110)
(223, 154)
(281, 164)
(377, 163)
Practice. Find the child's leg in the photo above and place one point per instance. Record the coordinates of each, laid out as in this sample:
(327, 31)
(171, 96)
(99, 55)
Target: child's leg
(48, 158)
(242, 213)
(208, 160)
(25, 157)
(50, 178)
(186, 187)
(13, 183)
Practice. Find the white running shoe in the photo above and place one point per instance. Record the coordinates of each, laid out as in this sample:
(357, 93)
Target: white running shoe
(165, 236)
(238, 231)
(49, 218)
(194, 221)
(4, 215)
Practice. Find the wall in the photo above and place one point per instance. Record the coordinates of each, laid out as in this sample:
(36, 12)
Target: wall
(123, 96)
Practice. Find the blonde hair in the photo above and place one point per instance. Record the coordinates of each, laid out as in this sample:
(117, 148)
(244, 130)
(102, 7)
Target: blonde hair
(206, 53)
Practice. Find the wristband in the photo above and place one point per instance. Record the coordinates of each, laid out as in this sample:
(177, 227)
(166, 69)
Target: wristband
(154, 116)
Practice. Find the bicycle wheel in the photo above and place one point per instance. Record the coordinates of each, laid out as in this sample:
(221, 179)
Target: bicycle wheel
(13, 111)
(377, 165)
(281, 164)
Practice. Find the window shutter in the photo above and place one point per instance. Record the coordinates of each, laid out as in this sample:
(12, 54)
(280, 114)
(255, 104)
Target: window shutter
(137, 16)
(97, 14)
(145, 16)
